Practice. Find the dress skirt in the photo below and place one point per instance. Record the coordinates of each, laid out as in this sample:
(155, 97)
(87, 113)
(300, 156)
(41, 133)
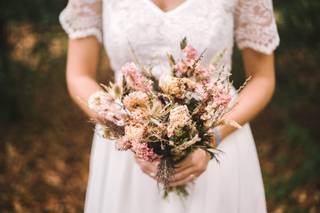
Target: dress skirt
(234, 185)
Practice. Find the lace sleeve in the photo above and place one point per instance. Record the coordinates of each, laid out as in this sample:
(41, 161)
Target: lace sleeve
(255, 26)
(82, 18)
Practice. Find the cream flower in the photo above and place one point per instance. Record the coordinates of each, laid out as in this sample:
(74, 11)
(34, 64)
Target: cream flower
(176, 86)
(178, 118)
(134, 131)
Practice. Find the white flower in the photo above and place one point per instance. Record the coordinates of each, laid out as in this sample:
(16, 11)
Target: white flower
(106, 107)
(99, 101)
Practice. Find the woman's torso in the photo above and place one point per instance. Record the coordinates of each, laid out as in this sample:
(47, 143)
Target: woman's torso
(152, 33)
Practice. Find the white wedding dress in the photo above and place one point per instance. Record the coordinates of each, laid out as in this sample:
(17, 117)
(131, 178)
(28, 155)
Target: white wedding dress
(116, 183)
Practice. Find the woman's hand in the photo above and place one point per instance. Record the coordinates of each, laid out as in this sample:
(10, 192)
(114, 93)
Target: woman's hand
(190, 168)
(149, 168)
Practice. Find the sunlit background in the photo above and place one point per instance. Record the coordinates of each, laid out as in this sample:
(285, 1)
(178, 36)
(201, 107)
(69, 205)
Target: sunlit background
(45, 139)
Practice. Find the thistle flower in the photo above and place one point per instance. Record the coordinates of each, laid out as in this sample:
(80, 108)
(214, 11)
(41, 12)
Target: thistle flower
(134, 79)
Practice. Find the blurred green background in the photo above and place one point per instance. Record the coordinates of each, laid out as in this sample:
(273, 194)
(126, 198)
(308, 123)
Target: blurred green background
(45, 140)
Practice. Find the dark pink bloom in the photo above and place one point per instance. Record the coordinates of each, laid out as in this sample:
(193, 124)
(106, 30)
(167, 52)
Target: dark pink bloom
(142, 151)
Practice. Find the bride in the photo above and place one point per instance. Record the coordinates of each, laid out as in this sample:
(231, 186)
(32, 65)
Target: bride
(119, 183)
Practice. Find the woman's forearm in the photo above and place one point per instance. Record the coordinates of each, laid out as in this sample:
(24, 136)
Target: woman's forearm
(80, 89)
(82, 63)
(257, 93)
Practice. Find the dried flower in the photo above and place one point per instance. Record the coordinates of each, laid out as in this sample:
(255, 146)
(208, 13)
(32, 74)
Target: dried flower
(180, 69)
(178, 118)
(123, 144)
(106, 107)
(134, 131)
(142, 151)
(190, 52)
(134, 79)
(176, 86)
(136, 100)
(99, 101)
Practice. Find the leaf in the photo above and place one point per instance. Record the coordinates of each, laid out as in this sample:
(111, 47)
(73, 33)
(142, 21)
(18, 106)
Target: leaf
(183, 43)
(217, 57)
(172, 62)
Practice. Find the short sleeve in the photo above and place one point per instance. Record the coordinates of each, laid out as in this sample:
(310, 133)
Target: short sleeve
(255, 26)
(82, 18)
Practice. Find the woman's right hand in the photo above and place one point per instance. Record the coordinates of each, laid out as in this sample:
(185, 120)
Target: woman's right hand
(149, 168)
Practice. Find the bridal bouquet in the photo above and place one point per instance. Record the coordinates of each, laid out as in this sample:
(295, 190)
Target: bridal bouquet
(165, 119)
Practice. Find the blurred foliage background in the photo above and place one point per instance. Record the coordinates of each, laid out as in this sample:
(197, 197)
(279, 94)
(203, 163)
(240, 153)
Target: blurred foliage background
(45, 140)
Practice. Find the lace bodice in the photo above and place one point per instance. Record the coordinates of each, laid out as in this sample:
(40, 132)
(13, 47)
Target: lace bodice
(208, 24)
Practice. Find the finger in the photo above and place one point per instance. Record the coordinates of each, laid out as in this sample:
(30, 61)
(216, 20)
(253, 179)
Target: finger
(186, 163)
(183, 174)
(149, 168)
(183, 181)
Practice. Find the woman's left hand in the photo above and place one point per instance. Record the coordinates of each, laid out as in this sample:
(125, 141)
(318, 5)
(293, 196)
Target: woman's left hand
(190, 168)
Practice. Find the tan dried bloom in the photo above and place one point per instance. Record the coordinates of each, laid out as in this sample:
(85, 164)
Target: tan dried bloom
(178, 118)
(176, 86)
(134, 131)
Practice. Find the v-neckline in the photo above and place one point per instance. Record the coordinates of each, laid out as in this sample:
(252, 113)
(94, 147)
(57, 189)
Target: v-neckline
(171, 11)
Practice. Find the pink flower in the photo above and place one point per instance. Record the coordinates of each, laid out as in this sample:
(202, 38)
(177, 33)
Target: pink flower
(135, 79)
(212, 68)
(180, 68)
(202, 73)
(142, 151)
(201, 91)
(190, 52)
(223, 98)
